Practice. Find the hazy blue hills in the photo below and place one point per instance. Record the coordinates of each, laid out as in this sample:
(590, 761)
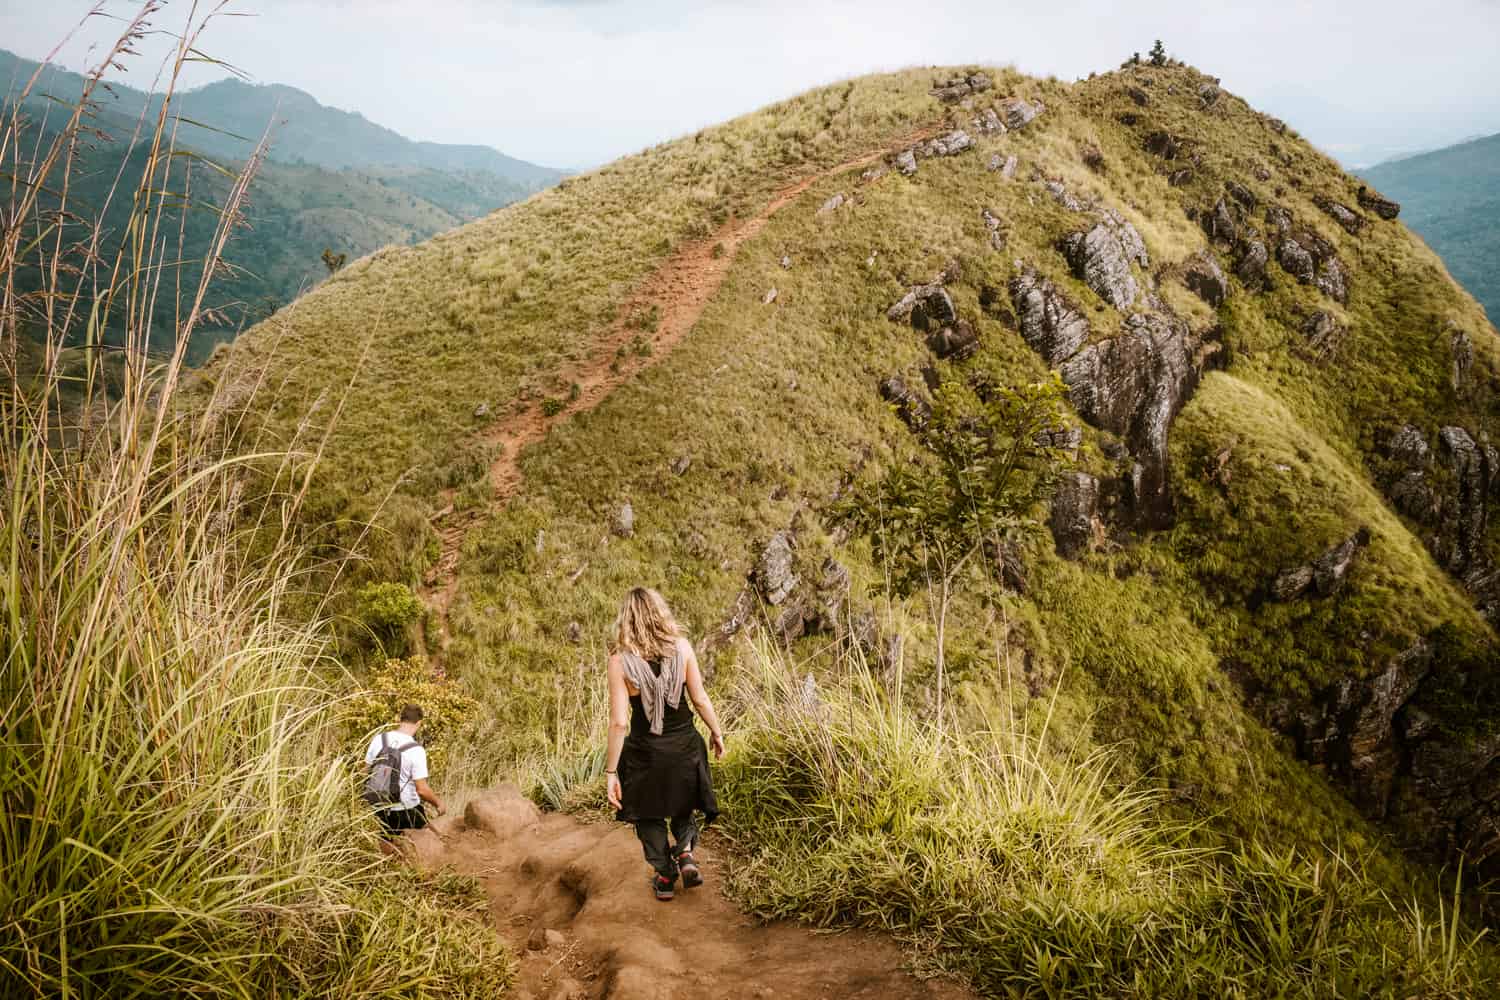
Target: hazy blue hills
(1451, 198)
(332, 180)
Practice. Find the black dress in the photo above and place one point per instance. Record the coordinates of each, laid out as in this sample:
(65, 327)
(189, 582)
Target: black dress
(667, 775)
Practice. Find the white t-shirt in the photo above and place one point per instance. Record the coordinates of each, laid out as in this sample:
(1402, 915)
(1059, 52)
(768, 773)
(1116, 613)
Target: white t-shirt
(413, 765)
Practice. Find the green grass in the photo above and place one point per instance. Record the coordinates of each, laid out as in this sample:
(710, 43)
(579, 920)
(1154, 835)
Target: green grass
(177, 805)
(775, 405)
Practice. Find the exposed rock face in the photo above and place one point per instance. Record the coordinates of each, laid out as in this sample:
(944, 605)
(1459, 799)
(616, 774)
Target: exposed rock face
(1308, 257)
(1075, 514)
(1351, 221)
(950, 144)
(1250, 267)
(832, 204)
(1018, 113)
(1050, 323)
(1324, 334)
(1060, 194)
(1203, 276)
(954, 343)
(1241, 194)
(1101, 258)
(1325, 575)
(1139, 96)
(1375, 202)
(1460, 544)
(1220, 223)
(927, 306)
(988, 122)
(958, 88)
(906, 162)
(1374, 736)
(1134, 385)
(773, 576)
(911, 407)
(1409, 447)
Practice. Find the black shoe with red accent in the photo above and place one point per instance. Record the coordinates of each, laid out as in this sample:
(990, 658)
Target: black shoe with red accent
(691, 876)
(662, 886)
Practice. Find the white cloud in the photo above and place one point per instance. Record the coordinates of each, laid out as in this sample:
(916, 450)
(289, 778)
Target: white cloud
(579, 81)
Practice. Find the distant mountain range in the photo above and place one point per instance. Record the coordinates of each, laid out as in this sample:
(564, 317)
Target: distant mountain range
(1451, 198)
(334, 180)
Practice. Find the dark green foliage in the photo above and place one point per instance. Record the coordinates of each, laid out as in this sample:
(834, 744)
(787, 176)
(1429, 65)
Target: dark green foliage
(387, 611)
(1158, 54)
(978, 478)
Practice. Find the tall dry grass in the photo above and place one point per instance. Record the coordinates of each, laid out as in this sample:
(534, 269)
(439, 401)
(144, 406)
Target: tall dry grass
(175, 816)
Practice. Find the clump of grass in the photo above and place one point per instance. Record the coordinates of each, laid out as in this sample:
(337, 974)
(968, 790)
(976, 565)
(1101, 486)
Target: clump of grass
(1033, 873)
(175, 815)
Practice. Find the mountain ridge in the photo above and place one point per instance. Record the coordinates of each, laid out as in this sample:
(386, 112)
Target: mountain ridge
(1232, 585)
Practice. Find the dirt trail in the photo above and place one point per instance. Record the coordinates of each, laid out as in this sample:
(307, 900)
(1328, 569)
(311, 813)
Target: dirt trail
(612, 940)
(679, 290)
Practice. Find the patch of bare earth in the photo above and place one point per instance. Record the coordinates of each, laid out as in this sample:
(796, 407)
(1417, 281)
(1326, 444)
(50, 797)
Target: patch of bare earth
(611, 939)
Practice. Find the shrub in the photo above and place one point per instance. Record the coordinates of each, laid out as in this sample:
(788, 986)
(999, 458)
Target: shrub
(387, 610)
(446, 708)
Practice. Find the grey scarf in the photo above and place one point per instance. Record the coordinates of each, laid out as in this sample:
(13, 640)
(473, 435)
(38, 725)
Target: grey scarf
(658, 692)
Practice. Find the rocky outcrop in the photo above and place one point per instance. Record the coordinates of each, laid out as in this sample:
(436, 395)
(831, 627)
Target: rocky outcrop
(911, 407)
(949, 144)
(1472, 466)
(1453, 502)
(1075, 514)
(1062, 196)
(1101, 258)
(1324, 333)
(1351, 221)
(1018, 113)
(959, 88)
(927, 306)
(773, 577)
(833, 204)
(1251, 258)
(1306, 256)
(1050, 323)
(1203, 277)
(906, 162)
(1134, 385)
(954, 343)
(1325, 575)
(1374, 201)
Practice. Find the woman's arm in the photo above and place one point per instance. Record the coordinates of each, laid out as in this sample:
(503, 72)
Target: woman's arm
(619, 725)
(701, 702)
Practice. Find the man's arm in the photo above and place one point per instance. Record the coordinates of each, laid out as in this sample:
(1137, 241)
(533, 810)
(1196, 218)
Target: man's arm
(425, 792)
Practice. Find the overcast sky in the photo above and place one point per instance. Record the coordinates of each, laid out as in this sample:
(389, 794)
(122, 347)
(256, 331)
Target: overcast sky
(574, 83)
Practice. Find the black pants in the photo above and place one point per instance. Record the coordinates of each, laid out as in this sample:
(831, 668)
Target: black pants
(396, 820)
(653, 834)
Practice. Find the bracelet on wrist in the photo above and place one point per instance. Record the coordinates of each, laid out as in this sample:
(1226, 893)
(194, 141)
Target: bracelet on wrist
(611, 772)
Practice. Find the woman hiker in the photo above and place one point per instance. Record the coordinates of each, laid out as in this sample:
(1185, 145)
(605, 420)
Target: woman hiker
(657, 766)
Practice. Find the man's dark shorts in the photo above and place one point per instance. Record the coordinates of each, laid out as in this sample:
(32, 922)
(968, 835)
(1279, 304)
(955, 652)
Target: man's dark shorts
(396, 820)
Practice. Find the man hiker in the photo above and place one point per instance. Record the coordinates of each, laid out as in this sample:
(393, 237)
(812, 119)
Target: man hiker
(396, 785)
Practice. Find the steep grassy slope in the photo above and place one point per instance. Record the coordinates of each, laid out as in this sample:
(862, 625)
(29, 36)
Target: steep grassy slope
(1451, 197)
(1256, 705)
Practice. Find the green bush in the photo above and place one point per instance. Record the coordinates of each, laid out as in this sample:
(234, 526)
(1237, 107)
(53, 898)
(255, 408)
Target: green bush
(387, 611)
(446, 708)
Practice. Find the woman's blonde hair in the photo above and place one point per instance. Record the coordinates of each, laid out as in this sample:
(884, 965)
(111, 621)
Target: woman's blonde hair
(645, 625)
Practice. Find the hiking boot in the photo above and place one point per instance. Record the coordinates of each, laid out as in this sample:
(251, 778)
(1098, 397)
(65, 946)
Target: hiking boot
(662, 886)
(688, 866)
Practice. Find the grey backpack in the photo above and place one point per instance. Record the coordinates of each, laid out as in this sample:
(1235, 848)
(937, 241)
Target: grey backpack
(383, 783)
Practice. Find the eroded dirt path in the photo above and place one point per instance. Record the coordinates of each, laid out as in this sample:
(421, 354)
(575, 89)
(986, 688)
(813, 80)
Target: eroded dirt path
(612, 940)
(678, 290)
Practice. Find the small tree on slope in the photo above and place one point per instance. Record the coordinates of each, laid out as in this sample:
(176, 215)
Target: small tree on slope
(985, 465)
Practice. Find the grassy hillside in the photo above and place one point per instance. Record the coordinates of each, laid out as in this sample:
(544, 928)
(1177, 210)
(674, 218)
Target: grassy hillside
(1169, 647)
(1451, 198)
